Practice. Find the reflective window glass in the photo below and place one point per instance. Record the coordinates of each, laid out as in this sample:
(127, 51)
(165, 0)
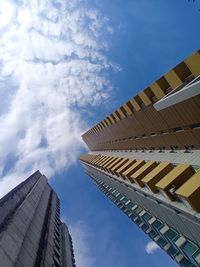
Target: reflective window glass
(130, 205)
(171, 235)
(152, 234)
(189, 248)
(161, 242)
(138, 210)
(146, 217)
(157, 224)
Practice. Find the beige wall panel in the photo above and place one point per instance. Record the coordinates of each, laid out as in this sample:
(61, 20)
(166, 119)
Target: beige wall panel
(153, 177)
(137, 165)
(135, 104)
(119, 165)
(127, 109)
(145, 99)
(125, 167)
(158, 92)
(173, 79)
(193, 63)
(142, 172)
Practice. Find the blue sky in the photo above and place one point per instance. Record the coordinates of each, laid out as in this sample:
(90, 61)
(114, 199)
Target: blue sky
(64, 65)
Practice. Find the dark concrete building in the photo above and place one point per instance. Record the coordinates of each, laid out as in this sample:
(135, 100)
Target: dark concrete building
(145, 157)
(31, 233)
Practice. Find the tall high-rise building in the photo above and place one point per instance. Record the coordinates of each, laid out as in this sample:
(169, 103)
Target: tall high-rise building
(31, 233)
(145, 157)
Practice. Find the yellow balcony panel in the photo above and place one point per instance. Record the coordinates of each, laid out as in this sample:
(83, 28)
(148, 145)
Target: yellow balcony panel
(173, 79)
(193, 63)
(156, 175)
(108, 122)
(85, 157)
(115, 115)
(113, 164)
(138, 164)
(125, 166)
(101, 161)
(158, 92)
(91, 157)
(144, 170)
(103, 124)
(129, 112)
(108, 163)
(100, 126)
(96, 161)
(145, 99)
(82, 157)
(97, 157)
(121, 113)
(174, 179)
(105, 161)
(112, 120)
(135, 104)
(118, 165)
(190, 191)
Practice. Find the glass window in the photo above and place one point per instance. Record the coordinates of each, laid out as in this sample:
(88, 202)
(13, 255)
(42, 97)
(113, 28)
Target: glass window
(123, 208)
(138, 221)
(172, 251)
(125, 200)
(197, 255)
(152, 234)
(146, 217)
(186, 263)
(157, 224)
(161, 242)
(132, 217)
(145, 227)
(138, 210)
(171, 235)
(130, 205)
(189, 248)
(119, 196)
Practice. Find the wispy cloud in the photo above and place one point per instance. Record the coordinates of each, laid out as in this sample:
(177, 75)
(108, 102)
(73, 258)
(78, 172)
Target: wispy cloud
(52, 67)
(81, 237)
(151, 247)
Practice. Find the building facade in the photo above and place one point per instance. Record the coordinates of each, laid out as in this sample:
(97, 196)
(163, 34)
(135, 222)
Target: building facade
(31, 233)
(145, 157)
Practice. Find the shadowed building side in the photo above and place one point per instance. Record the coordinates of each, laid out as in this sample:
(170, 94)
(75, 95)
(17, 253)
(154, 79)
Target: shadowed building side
(31, 233)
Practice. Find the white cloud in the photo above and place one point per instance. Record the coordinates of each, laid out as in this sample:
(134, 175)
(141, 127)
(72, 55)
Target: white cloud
(151, 247)
(52, 67)
(80, 237)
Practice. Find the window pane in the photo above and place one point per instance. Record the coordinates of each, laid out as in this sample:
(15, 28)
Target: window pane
(157, 224)
(161, 242)
(125, 200)
(189, 248)
(172, 251)
(146, 216)
(186, 263)
(152, 234)
(138, 221)
(130, 205)
(138, 210)
(171, 234)
(144, 227)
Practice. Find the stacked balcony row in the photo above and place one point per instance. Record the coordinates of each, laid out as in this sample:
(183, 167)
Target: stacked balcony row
(178, 77)
(179, 182)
